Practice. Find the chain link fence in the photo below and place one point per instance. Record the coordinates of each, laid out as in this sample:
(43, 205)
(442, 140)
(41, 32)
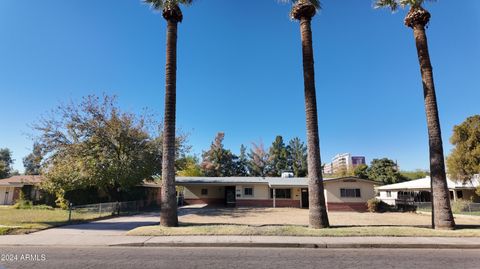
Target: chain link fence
(91, 211)
(458, 207)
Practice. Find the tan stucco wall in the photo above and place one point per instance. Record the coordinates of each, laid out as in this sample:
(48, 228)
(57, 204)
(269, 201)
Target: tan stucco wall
(296, 194)
(194, 192)
(332, 190)
(260, 192)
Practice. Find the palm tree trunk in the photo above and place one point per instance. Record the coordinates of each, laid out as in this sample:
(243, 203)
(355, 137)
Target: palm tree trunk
(318, 217)
(168, 212)
(442, 217)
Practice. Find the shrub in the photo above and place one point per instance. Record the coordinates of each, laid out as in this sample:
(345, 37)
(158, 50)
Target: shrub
(23, 204)
(61, 202)
(375, 205)
(460, 205)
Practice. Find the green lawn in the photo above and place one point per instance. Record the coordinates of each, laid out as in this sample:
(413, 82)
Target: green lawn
(293, 230)
(17, 221)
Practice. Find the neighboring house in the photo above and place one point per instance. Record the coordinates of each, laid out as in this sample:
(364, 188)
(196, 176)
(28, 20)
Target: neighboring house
(153, 193)
(419, 191)
(346, 194)
(10, 188)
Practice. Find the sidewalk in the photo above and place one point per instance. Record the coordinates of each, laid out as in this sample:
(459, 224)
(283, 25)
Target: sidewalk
(241, 241)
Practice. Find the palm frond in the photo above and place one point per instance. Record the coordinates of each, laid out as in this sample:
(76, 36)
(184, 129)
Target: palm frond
(395, 4)
(392, 4)
(162, 4)
(315, 3)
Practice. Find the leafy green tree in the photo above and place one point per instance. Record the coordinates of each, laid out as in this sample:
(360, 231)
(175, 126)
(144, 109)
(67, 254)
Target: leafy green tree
(172, 13)
(182, 148)
(464, 160)
(242, 163)
(218, 161)
(417, 18)
(277, 157)
(258, 160)
(6, 162)
(297, 157)
(33, 161)
(384, 170)
(361, 171)
(412, 175)
(303, 11)
(190, 167)
(94, 144)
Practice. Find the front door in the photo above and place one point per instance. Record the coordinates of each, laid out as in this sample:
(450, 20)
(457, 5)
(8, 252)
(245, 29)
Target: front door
(230, 199)
(304, 198)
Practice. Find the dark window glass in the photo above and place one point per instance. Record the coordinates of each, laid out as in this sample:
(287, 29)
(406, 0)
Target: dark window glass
(281, 193)
(204, 192)
(350, 193)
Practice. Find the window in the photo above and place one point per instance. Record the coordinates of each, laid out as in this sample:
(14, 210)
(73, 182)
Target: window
(204, 192)
(389, 194)
(350, 193)
(248, 191)
(281, 193)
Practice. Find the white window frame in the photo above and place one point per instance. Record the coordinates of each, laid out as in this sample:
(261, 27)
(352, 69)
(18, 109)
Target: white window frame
(248, 195)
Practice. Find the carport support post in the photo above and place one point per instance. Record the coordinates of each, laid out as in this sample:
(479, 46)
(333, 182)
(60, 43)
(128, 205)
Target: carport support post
(274, 196)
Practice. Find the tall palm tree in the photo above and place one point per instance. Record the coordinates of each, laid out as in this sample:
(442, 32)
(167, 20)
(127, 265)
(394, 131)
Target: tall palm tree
(173, 15)
(417, 18)
(303, 11)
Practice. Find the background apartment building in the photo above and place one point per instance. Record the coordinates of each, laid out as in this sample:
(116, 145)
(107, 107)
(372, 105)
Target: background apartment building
(343, 162)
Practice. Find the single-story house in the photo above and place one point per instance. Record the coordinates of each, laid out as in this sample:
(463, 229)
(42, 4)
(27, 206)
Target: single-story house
(346, 193)
(419, 191)
(10, 188)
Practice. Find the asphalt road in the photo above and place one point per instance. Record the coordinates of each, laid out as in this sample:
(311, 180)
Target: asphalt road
(136, 257)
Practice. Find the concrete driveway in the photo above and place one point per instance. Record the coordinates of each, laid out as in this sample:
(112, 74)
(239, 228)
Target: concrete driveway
(113, 226)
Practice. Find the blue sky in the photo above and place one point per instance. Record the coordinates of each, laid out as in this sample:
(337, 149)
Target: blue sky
(239, 70)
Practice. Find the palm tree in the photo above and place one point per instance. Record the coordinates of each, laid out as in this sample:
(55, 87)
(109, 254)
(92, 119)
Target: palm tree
(303, 11)
(417, 18)
(173, 15)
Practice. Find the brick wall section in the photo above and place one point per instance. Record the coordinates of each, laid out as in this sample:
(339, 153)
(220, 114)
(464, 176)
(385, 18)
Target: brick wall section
(358, 207)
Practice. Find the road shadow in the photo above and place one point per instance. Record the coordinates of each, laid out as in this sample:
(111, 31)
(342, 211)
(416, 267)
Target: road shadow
(110, 226)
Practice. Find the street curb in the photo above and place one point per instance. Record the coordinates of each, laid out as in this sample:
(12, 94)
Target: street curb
(302, 245)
